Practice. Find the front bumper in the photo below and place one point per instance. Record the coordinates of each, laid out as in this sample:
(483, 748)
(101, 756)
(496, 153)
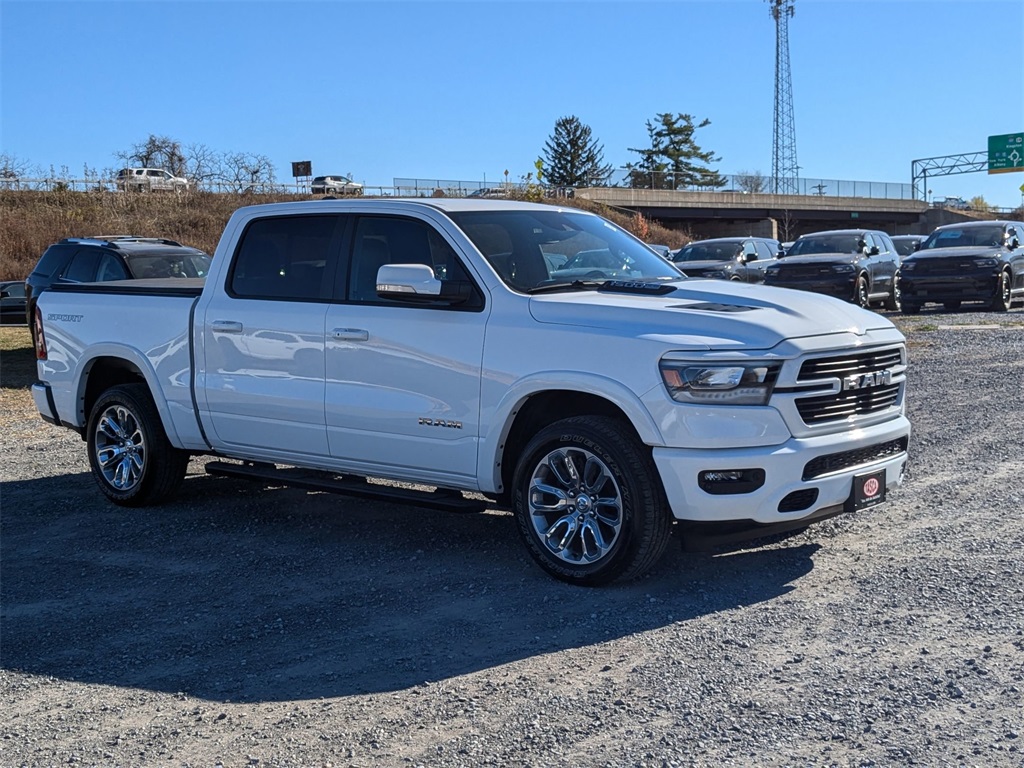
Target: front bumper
(784, 469)
(939, 289)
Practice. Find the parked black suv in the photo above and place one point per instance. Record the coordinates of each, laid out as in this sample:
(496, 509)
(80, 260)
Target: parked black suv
(972, 261)
(114, 257)
(858, 265)
(728, 258)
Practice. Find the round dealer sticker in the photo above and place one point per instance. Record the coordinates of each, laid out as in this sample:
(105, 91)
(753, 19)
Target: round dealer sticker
(871, 487)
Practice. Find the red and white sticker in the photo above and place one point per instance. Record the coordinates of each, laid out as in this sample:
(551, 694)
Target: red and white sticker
(871, 487)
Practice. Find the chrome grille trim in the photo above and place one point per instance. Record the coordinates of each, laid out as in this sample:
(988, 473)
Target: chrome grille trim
(841, 404)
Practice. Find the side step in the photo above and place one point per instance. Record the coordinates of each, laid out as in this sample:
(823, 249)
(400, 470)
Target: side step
(311, 480)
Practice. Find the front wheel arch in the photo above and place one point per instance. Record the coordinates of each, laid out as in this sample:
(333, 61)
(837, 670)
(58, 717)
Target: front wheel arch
(588, 502)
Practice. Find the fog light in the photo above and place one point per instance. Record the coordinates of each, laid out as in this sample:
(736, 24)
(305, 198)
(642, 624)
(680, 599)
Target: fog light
(730, 481)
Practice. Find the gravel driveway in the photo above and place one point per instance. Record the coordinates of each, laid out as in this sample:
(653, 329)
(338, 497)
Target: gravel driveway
(242, 626)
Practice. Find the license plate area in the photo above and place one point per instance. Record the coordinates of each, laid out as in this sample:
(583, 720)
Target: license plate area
(868, 490)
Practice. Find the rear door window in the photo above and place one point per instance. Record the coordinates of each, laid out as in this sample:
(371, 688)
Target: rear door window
(82, 268)
(287, 257)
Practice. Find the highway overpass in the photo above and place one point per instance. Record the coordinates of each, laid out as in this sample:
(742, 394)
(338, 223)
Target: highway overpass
(783, 217)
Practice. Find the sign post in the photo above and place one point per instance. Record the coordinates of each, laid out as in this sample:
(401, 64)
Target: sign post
(1006, 153)
(301, 171)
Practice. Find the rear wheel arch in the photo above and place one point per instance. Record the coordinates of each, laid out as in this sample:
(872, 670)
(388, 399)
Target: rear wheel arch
(99, 375)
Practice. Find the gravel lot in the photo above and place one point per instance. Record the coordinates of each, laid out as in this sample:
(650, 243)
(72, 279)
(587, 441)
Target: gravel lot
(241, 626)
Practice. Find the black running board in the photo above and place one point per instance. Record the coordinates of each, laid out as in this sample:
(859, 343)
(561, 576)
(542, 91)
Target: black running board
(311, 480)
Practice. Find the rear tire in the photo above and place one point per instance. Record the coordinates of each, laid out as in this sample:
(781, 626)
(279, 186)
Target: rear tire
(589, 503)
(131, 458)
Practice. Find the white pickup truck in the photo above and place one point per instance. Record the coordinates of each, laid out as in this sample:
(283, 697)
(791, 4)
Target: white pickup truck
(538, 357)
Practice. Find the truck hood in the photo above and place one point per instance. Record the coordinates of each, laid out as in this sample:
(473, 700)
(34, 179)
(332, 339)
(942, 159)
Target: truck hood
(709, 314)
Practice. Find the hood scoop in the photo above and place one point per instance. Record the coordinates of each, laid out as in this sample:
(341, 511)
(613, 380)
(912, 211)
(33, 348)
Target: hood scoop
(645, 287)
(709, 306)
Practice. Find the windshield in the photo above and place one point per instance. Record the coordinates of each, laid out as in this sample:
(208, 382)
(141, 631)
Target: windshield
(811, 246)
(958, 237)
(170, 265)
(721, 251)
(536, 248)
(905, 246)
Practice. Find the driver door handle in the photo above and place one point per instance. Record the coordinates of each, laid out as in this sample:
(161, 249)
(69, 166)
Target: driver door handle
(350, 334)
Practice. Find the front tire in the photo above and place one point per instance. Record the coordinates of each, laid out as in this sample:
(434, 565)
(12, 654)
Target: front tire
(588, 502)
(131, 458)
(1001, 301)
(894, 302)
(860, 293)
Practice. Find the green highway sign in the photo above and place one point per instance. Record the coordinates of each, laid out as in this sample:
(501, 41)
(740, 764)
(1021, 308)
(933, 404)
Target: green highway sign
(1006, 153)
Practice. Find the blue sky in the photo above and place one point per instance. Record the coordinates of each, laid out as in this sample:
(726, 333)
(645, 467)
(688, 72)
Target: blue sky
(467, 90)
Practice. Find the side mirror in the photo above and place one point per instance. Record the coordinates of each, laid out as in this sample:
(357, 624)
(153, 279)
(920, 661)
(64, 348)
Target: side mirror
(874, 251)
(917, 245)
(416, 283)
(1014, 243)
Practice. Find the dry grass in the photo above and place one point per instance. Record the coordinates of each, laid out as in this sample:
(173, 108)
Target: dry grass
(31, 220)
(17, 371)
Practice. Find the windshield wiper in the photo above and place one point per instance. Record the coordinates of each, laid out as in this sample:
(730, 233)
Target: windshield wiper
(568, 285)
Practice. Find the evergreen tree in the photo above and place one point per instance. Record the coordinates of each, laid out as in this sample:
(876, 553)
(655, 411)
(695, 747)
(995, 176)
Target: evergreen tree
(674, 160)
(573, 158)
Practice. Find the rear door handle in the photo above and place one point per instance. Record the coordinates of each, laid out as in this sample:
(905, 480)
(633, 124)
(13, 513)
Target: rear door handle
(350, 334)
(226, 326)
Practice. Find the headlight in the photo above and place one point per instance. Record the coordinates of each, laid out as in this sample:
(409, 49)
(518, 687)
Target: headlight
(908, 266)
(843, 268)
(985, 263)
(716, 273)
(747, 383)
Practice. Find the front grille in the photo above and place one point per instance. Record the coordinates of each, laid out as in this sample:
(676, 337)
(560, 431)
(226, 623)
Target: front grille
(838, 367)
(798, 501)
(822, 409)
(951, 267)
(810, 270)
(840, 462)
(817, 410)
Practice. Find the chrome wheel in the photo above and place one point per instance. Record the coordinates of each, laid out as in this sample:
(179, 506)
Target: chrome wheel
(120, 447)
(575, 506)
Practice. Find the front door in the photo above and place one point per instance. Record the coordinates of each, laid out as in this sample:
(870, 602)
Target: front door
(403, 380)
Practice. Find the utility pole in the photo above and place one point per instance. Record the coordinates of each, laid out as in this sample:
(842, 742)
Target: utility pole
(784, 166)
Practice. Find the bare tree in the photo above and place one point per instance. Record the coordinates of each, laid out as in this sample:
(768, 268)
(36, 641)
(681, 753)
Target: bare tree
(202, 164)
(12, 166)
(246, 171)
(156, 152)
(751, 182)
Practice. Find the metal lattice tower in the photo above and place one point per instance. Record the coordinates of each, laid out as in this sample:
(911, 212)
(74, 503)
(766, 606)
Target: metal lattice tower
(784, 167)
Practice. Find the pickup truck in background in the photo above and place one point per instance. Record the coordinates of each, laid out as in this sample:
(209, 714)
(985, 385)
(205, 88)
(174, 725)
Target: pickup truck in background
(440, 343)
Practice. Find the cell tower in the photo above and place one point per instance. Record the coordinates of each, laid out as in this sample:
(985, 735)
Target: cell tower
(784, 167)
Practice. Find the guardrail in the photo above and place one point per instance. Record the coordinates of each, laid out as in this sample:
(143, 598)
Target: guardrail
(736, 183)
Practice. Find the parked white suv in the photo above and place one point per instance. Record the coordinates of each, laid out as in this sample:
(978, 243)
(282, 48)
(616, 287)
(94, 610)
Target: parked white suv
(149, 179)
(335, 185)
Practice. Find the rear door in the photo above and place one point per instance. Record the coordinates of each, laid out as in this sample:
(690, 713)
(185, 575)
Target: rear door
(263, 337)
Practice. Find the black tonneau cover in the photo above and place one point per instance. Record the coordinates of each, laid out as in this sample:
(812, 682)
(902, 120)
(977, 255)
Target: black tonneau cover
(185, 287)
